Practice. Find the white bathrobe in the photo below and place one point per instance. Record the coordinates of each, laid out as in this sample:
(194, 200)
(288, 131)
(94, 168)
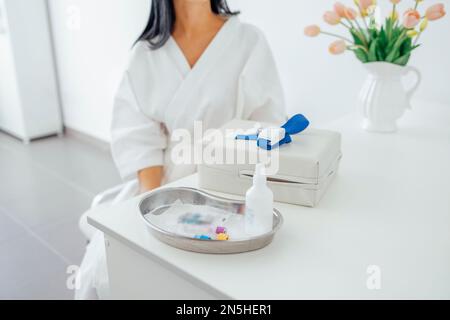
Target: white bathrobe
(236, 77)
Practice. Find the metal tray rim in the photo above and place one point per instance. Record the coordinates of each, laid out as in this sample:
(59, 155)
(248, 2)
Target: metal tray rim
(180, 237)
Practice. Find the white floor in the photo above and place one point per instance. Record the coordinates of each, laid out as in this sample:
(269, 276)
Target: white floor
(44, 188)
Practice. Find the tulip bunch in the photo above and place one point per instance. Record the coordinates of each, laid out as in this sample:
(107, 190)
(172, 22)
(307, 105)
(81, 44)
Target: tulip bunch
(392, 42)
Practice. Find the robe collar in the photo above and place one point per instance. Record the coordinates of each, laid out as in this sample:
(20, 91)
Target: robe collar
(179, 112)
(219, 43)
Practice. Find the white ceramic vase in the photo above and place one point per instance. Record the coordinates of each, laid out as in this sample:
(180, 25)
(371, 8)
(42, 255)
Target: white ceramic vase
(383, 99)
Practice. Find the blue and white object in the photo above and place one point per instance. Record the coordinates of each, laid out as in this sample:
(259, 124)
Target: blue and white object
(271, 138)
(250, 134)
(274, 137)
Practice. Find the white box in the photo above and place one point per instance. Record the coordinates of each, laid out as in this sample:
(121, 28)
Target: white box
(306, 166)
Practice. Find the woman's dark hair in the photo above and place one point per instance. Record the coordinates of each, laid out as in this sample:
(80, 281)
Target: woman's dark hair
(162, 20)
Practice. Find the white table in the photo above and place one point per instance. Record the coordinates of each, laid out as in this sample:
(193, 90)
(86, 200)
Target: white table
(389, 207)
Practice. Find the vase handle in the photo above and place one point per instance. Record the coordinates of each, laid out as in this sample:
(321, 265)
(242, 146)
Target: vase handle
(411, 91)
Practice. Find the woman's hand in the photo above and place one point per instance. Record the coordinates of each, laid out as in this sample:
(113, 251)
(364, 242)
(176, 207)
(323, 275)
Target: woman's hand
(150, 178)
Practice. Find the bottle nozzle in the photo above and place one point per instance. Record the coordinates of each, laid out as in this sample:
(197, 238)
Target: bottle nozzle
(260, 174)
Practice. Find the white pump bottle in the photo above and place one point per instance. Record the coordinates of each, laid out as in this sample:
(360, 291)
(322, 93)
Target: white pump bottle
(259, 205)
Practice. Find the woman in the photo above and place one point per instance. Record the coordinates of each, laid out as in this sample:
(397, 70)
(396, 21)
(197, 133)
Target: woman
(195, 61)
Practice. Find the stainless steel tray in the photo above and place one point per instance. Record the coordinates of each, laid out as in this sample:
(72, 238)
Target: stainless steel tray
(157, 202)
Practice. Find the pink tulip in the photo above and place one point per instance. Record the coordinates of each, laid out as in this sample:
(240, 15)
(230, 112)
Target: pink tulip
(435, 12)
(350, 14)
(339, 8)
(312, 31)
(337, 47)
(332, 18)
(365, 4)
(412, 12)
(411, 19)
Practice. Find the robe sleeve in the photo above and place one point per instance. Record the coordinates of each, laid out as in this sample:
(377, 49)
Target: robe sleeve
(261, 94)
(138, 142)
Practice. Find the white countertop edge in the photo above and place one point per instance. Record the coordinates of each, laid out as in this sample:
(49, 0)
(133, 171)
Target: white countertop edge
(180, 272)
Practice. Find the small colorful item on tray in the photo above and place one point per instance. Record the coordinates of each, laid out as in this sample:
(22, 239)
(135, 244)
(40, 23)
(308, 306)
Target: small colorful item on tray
(223, 237)
(220, 230)
(202, 237)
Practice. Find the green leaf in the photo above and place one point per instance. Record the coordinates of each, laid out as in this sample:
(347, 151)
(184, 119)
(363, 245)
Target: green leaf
(406, 46)
(403, 60)
(396, 32)
(361, 55)
(390, 44)
(357, 37)
(373, 33)
(382, 44)
(411, 49)
(395, 52)
(389, 26)
(380, 54)
(382, 37)
(372, 56)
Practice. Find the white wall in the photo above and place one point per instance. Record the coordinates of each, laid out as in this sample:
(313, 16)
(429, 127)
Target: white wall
(91, 56)
(325, 86)
(322, 86)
